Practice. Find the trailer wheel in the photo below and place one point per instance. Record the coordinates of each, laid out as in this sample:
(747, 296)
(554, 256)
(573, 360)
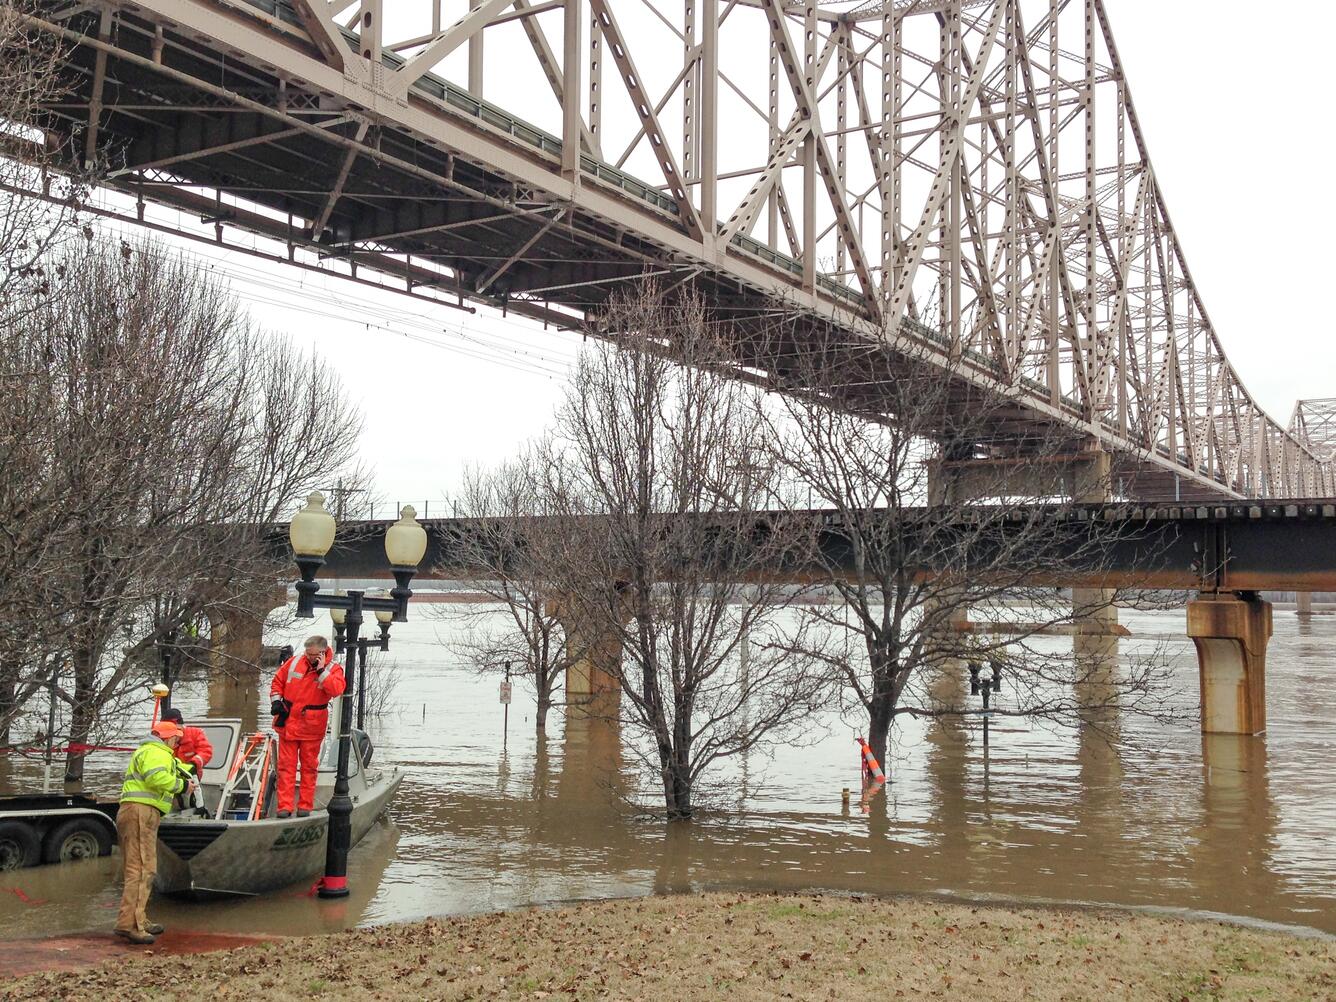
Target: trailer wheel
(19, 845)
(77, 838)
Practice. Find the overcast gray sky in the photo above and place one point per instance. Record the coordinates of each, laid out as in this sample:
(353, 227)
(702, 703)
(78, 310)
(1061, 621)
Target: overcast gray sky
(1234, 112)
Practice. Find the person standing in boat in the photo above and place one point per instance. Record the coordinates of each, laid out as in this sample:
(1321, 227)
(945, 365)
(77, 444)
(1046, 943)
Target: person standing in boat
(152, 781)
(301, 691)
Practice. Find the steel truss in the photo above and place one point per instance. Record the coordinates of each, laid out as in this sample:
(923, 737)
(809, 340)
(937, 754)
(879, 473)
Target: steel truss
(964, 177)
(1314, 424)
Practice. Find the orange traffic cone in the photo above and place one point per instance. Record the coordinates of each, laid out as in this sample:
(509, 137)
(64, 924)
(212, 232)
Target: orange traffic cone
(869, 762)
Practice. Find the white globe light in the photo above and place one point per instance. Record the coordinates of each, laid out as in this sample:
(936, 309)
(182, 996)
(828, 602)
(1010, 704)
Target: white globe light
(312, 529)
(405, 541)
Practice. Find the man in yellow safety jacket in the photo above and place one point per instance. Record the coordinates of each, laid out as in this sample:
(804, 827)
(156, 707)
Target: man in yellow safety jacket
(152, 780)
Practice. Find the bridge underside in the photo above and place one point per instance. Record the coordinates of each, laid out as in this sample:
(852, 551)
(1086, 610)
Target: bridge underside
(234, 118)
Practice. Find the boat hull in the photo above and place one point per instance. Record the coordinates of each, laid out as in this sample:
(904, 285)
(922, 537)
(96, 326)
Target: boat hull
(202, 856)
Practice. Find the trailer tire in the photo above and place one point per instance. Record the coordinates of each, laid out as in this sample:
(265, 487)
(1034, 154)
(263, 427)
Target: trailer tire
(19, 845)
(77, 838)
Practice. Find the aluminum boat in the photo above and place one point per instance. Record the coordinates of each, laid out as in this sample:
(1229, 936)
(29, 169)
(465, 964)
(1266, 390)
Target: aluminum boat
(241, 850)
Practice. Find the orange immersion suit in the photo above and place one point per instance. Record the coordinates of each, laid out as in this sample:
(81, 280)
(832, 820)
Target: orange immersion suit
(195, 749)
(306, 690)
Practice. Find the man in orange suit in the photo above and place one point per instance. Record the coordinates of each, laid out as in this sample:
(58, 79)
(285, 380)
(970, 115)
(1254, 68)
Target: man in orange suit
(301, 692)
(194, 749)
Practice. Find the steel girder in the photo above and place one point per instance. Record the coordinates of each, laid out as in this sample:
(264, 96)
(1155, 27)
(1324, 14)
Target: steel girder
(1280, 545)
(997, 209)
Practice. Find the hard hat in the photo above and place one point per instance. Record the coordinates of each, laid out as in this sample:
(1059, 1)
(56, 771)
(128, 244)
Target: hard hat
(166, 730)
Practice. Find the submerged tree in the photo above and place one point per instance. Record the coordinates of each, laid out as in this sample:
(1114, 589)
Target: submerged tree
(30, 227)
(164, 436)
(663, 556)
(950, 521)
(510, 544)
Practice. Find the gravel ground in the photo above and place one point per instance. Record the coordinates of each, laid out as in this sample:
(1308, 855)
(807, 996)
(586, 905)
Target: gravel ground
(738, 947)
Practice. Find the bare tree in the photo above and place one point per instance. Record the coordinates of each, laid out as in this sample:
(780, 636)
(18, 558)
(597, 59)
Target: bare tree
(950, 522)
(663, 555)
(169, 436)
(511, 542)
(31, 227)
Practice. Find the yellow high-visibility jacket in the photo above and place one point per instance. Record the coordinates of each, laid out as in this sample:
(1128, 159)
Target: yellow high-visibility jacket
(153, 777)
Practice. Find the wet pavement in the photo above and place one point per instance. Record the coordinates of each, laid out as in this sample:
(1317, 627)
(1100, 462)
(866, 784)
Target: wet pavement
(1145, 815)
(75, 952)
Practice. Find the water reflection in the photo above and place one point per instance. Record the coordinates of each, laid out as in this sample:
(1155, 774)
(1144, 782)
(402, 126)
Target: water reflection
(1121, 809)
(1237, 825)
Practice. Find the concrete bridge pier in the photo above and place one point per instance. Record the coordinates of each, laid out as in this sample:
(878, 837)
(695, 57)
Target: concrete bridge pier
(594, 649)
(1091, 482)
(1231, 632)
(237, 629)
(1085, 477)
(1303, 604)
(236, 693)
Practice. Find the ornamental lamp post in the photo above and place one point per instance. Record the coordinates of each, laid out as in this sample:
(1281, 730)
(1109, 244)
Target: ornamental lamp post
(340, 619)
(363, 644)
(311, 533)
(985, 687)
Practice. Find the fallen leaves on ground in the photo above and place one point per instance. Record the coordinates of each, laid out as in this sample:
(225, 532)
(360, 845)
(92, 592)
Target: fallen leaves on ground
(738, 947)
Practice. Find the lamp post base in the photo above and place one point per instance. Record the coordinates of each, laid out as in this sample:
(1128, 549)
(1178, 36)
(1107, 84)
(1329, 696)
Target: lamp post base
(332, 887)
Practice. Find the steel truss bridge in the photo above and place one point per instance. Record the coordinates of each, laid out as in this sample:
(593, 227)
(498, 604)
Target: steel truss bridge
(958, 180)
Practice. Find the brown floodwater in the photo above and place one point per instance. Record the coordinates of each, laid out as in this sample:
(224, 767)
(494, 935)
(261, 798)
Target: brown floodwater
(1155, 816)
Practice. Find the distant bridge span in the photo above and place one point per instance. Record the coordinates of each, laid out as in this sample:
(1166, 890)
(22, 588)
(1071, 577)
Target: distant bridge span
(1225, 552)
(966, 182)
(1225, 547)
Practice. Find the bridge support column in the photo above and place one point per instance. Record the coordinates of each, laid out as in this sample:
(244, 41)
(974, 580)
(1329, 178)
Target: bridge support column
(237, 631)
(1231, 634)
(593, 681)
(1095, 613)
(1085, 477)
(1303, 604)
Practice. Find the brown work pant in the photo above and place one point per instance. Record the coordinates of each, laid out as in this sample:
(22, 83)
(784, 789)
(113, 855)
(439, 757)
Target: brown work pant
(137, 829)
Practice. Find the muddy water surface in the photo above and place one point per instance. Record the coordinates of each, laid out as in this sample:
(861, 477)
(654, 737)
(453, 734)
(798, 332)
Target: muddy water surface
(1159, 816)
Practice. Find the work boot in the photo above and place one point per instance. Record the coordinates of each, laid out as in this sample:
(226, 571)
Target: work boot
(155, 928)
(303, 814)
(285, 814)
(135, 936)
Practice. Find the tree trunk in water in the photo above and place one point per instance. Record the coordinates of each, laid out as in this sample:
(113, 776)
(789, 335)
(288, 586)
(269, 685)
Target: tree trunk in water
(544, 704)
(677, 787)
(81, 715)
(81, 727)
(881, 709)
(8, 689)
(879, 726)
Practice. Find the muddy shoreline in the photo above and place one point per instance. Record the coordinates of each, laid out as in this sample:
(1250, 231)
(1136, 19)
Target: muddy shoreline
(740, 946)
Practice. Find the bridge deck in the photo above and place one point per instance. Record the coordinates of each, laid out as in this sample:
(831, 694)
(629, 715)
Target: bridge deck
(234, 115)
